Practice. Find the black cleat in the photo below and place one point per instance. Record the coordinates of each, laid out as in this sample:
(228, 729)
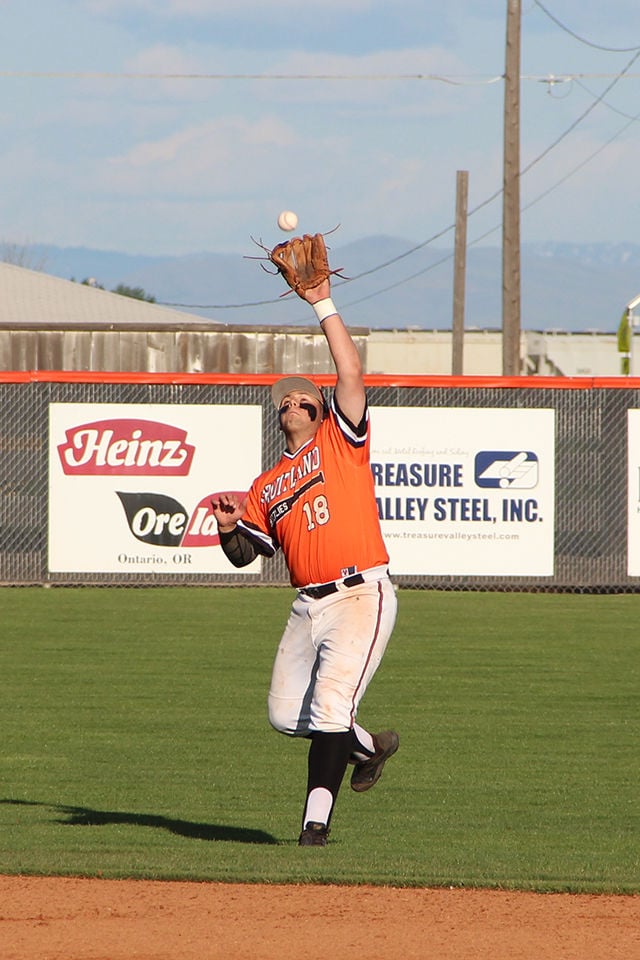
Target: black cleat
(366, 774)
(314, 835)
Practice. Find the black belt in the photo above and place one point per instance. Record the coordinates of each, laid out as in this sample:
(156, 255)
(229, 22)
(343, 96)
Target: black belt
(326, 589)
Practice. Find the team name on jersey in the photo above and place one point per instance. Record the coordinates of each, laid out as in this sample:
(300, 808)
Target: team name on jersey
(282, 507)
(287, 481)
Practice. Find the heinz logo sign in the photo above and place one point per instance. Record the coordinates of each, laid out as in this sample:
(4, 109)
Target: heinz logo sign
(126, 448)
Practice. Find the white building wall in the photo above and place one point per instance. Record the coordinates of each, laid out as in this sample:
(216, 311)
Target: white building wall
(429, 352)
(543, 354)
(574, 354)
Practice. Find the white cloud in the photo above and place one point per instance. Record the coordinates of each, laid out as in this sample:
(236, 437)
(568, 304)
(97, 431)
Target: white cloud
(203, 160)
(164, 58)
(413, 80)
(84, 159)
(211, 9)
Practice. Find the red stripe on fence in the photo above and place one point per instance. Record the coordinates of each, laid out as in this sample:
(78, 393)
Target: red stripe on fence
(372, 380)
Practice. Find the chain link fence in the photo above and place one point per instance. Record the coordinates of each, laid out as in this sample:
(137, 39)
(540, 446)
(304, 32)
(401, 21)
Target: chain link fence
(590, 483)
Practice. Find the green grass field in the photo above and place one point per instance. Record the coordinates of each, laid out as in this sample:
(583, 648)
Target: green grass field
(135, 742)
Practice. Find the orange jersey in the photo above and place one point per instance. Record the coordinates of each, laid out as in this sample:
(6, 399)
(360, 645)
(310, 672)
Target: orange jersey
(318, 504)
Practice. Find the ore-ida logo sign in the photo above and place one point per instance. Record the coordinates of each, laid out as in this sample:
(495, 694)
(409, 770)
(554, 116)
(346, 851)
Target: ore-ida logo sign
(130, 485)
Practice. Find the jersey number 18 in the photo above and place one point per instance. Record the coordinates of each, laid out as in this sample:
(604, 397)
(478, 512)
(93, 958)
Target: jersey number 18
(316, 512)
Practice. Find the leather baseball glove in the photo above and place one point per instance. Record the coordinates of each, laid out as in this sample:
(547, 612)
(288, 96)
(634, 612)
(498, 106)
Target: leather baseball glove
(303, 262)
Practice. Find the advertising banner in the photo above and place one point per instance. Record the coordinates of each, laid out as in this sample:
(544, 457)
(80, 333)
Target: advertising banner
(465, 491)
(130, 485)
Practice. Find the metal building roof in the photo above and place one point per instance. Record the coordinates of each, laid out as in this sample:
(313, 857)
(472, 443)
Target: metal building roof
(30, 298)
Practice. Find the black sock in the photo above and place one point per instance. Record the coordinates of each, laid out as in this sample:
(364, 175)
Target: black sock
(328, 759)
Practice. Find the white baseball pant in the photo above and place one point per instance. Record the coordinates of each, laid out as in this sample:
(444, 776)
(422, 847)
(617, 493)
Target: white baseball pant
(329, 651)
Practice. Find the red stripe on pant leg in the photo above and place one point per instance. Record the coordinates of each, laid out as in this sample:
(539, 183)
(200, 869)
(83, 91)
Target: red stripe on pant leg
(376, 633)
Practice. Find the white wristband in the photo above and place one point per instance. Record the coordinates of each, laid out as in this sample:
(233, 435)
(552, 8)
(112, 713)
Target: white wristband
(324, 308)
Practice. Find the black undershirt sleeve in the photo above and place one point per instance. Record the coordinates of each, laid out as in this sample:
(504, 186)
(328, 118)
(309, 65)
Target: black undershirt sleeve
(237, 548)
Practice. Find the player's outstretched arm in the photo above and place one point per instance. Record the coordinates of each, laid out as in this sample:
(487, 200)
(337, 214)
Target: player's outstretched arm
(350, 392)
(304, 265)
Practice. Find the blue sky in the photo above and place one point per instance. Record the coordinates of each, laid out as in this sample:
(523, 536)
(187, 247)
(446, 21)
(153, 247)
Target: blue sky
(173, 135)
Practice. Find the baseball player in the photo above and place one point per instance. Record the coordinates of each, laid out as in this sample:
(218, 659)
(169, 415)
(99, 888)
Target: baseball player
(317, 504)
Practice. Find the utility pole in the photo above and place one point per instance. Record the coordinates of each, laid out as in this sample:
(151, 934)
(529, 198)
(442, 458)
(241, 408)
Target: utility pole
(459, 272)
(511, 197)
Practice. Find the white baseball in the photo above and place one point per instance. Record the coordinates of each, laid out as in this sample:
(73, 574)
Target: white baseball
(287, 220)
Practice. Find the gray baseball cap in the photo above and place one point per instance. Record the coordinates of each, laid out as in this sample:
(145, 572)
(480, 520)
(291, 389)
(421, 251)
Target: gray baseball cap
(288, 384)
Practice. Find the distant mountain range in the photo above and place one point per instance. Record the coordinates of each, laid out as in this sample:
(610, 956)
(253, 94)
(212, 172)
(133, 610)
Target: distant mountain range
(393, 283)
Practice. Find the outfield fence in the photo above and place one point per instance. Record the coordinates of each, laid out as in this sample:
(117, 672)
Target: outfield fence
(591, 482)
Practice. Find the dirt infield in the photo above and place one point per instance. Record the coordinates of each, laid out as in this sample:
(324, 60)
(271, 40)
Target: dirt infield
(75, 919)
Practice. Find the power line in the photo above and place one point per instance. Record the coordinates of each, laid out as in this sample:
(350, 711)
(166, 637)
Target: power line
(583, 163)
(610, 106)
(459, 80)
(492, 230)
(599, 99)
(564, 77)
(448, 229)
(454, 80)
(584, 114)
(588, 43)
